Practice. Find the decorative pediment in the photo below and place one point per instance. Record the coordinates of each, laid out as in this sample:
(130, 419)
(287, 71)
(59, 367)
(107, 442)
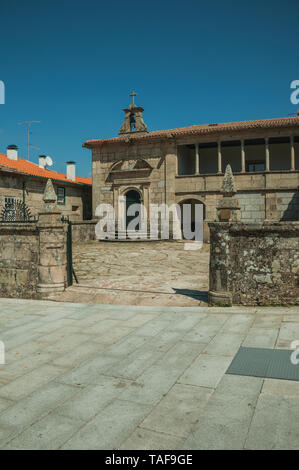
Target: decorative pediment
(135, 168)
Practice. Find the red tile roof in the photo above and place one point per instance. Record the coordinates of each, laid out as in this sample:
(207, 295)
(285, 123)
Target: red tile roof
(25, 167)
(202, 129)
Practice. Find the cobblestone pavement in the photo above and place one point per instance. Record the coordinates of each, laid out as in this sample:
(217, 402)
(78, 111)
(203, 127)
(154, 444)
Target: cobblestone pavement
(81, 376)
(139, 273)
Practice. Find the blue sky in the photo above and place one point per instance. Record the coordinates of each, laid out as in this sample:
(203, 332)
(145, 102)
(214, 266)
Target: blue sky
(72, 64)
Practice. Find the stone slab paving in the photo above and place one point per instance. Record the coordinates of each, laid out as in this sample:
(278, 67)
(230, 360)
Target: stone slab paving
(87, 376)
(133, 273)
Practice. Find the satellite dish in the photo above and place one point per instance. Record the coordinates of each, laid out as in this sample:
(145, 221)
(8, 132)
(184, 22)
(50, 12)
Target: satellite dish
(49, 161)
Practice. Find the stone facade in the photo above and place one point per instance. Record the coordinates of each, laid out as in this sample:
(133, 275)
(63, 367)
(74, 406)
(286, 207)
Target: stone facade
(77, 204)
(254, 264)
(187, 164)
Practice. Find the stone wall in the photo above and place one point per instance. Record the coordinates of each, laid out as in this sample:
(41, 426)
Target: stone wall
(83, 231)
(254, 264)
(252, 206)
(19, 255)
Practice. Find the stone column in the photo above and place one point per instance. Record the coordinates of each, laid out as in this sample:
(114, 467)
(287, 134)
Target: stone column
(52, 275)
(196, 159)
(243, 165)
(267, 154)
(146, 205)
(219, 293)
(292, 153)
(219, 158)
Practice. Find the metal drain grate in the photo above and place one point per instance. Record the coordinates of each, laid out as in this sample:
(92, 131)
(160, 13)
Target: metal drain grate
(266, 363)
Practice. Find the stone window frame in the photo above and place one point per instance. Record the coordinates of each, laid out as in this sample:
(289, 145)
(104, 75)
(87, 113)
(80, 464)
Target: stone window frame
(58, 201)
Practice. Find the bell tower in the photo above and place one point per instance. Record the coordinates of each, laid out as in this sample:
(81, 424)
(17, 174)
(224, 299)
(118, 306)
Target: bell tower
(133, 123)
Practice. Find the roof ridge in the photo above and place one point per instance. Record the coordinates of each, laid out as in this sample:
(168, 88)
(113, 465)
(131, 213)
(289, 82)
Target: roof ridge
(208, 128)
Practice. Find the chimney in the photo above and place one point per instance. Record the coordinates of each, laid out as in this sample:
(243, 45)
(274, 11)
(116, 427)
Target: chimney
(71, 170)
(12, 152)
(42, 161)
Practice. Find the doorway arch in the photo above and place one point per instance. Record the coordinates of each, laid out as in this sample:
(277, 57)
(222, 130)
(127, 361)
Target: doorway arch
(132, 197)
(193, 203)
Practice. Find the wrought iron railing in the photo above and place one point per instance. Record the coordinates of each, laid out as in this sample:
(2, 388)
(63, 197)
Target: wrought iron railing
(16, 211)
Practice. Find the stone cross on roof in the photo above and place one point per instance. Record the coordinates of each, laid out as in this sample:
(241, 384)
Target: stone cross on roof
(133, 94)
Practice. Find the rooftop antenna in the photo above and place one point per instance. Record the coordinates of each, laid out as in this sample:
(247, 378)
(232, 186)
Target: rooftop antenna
(29, 133)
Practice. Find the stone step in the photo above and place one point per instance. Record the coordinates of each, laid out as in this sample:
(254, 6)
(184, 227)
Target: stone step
(121, 235)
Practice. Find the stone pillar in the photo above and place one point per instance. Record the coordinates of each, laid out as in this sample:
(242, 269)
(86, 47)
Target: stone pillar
(219, 293)
(146, 205)
(228, 213)
(170, 161)
(196, 159)
(219, 158)
(243, 164)
(52, 275)
(267, 154)
(292, 154)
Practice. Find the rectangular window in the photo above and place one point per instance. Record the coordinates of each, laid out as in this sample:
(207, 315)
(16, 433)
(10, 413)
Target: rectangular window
(10, 208)
(61, 195)
(256, 166)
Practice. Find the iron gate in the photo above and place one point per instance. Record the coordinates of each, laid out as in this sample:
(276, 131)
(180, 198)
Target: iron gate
(69, 251)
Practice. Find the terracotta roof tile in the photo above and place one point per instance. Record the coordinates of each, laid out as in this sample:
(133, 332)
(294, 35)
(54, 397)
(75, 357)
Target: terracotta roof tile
(24, 166)
(204, 129)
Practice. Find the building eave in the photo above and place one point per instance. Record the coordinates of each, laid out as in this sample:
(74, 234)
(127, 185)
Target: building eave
(198, 130)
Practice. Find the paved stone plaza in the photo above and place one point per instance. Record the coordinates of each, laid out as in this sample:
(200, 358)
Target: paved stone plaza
(139, 273)
(81, 376)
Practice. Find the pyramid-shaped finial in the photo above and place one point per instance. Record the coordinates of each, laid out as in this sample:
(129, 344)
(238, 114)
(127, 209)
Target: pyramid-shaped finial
(49, 196)
(228, 184)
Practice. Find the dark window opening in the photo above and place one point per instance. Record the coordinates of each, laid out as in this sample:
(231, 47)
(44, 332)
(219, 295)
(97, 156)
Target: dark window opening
(61, 196)
(208, 145)
(254, 142)
(186, 160)
(279, 140)
(230, 143)
(132, 123)
(258, 165)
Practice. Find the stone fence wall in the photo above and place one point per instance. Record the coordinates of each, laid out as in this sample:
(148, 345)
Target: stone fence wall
(19, 255)
(254, 264)
(32, 259)
(33, 256)
(83, 231)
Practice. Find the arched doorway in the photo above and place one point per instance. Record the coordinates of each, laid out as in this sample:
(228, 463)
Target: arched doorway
(193, 203)
(132, 197)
